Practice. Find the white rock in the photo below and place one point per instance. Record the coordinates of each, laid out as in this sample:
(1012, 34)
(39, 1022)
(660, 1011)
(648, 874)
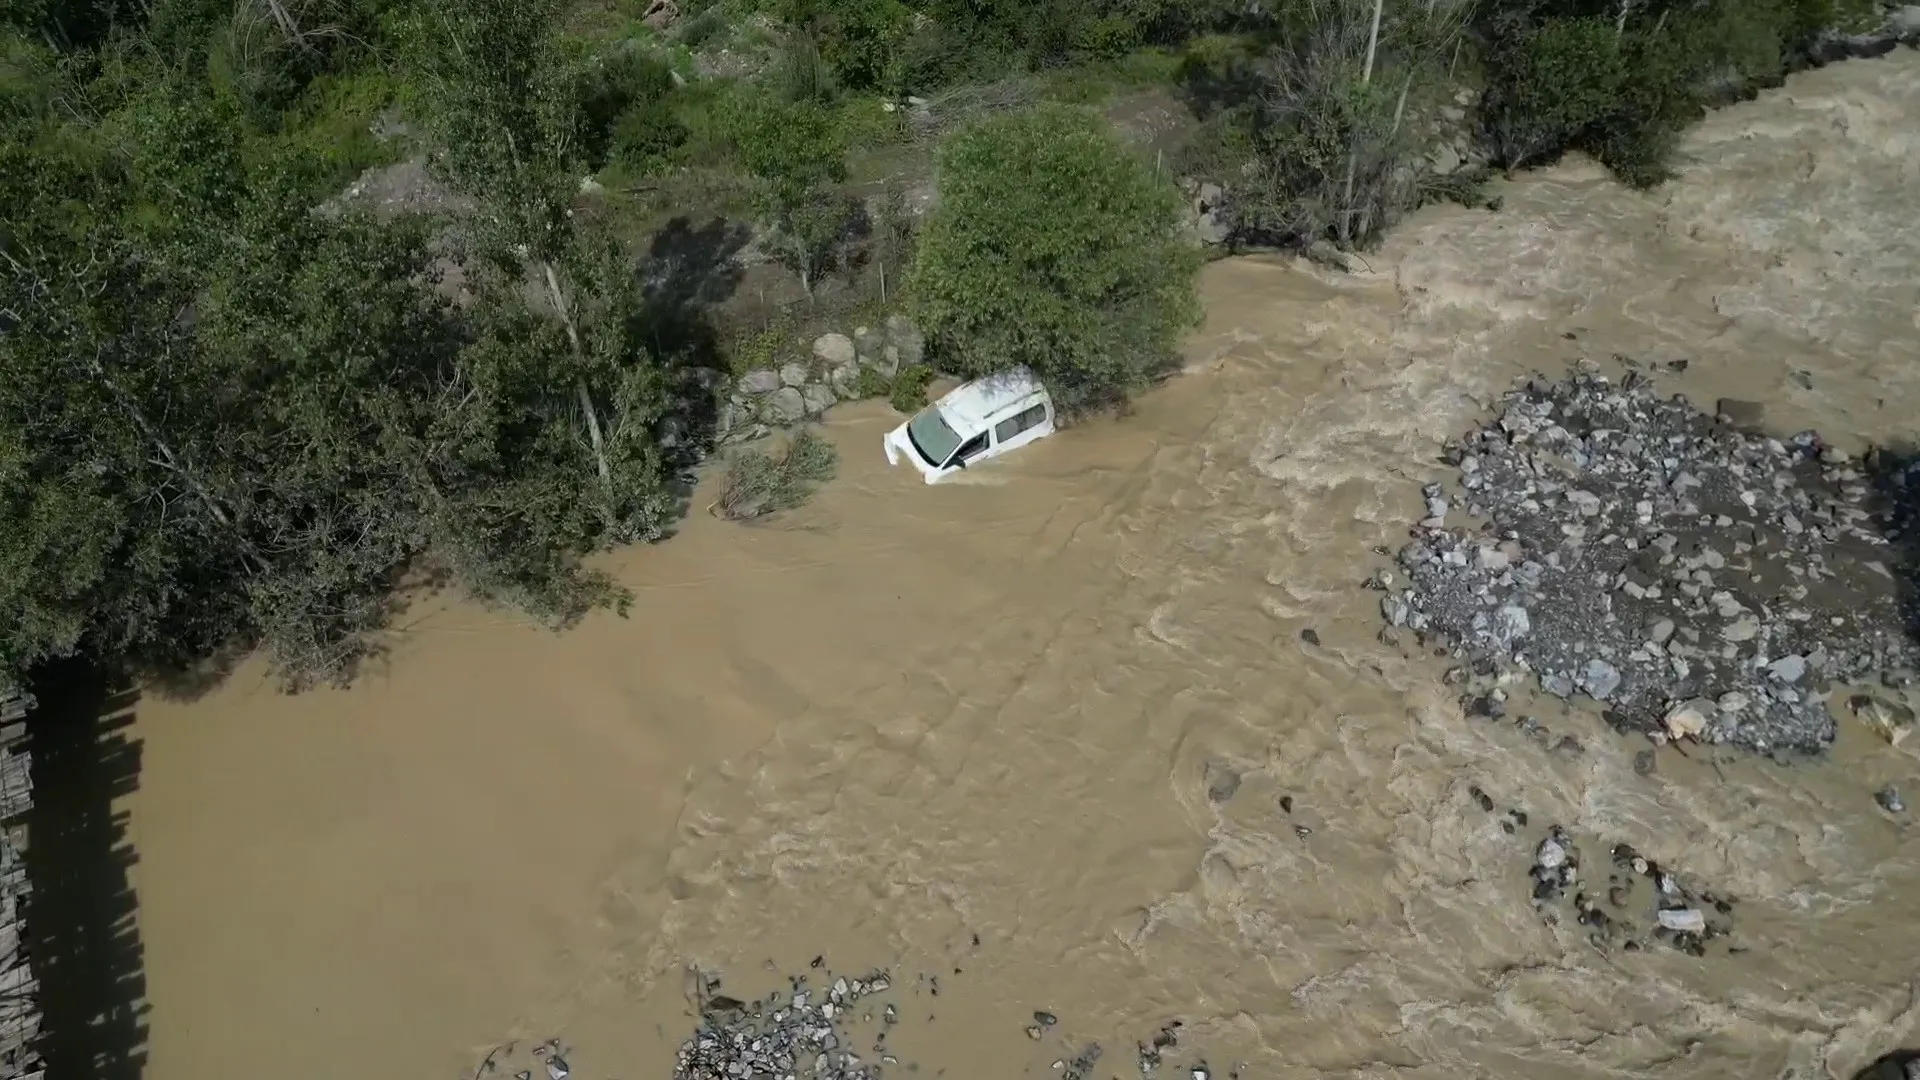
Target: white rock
(1744, 628)
(1687, 920)
(1690, 718)
(1732, 701)
(1550, 854)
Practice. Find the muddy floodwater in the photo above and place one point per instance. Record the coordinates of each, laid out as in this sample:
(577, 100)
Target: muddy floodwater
(1055, 706)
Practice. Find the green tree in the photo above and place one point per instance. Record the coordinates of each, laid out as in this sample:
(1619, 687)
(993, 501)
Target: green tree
(226, 419)
(508, 99)
(1054, 248)
(796, 152)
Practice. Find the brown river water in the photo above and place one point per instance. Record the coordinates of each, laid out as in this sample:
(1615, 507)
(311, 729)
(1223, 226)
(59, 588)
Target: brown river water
(904, 716)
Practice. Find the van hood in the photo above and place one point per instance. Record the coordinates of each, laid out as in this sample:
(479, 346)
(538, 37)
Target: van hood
(898, 445)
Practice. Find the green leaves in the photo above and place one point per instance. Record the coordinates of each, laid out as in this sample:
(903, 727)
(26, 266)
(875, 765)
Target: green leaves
(1054, 248)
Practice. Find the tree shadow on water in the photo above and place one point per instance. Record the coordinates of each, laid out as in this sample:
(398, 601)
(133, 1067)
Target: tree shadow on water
(82, 932)
(687, 272)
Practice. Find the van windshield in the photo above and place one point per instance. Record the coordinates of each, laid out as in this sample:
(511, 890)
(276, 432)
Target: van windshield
(933, 436)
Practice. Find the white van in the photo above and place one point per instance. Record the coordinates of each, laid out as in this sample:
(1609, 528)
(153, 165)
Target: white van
(975, 421)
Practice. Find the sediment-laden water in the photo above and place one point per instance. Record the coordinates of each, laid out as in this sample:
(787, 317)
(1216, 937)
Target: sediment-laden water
(1055, 734)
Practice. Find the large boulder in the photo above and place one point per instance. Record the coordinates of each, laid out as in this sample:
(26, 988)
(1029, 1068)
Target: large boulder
(868, 343)
(819, 397)
(833, 350)
(845, 381)
(785, 406)
(905, 337)
(760, 382)
(794, 375)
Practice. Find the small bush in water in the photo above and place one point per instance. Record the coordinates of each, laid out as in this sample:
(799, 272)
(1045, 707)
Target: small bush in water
(758, 483)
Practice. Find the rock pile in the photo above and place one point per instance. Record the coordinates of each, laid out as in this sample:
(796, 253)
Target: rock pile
(1699, 578)
(1640, 904)
(802, 1031)
(779, 397)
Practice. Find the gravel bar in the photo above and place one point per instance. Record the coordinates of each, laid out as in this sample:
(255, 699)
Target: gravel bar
(1698, 577)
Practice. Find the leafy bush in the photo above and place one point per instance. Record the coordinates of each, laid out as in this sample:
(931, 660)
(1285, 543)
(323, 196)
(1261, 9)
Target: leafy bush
(1553, 83)
(1622, 82)
(757, 483)
(799, 73)
(794, 151)
(908, 394)
(627, 115)
(1312, 137)
(648, 138)
(859, 41)
(1054, 248)
(871, 384)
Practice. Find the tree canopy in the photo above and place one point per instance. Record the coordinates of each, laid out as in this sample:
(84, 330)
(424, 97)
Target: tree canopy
(1055, 248)
(230, 419)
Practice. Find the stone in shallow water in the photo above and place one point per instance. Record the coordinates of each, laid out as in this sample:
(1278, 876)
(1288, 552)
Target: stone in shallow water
(1600, 679)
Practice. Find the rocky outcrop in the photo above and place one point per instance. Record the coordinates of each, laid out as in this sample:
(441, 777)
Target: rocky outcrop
(840, 367)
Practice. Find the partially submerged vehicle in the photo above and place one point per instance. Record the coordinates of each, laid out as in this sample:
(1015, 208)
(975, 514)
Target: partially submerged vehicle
(973, 422)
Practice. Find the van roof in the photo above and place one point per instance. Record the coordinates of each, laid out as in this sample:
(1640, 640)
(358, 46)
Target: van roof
(969, 406)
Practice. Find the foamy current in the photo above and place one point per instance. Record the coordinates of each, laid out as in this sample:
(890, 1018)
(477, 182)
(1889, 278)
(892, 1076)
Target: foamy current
(905, 716)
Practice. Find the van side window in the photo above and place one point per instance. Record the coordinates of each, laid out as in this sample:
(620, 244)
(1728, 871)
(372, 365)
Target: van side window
(1026, 420)
(971, 448)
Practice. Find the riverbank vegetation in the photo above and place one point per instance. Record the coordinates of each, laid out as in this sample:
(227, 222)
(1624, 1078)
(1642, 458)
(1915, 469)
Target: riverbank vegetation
(251, 387)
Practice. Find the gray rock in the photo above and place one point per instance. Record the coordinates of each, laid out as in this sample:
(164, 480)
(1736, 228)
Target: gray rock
(1211, 229)
(785, 405)
(904, 336)
(1905, 21)
(868, 344)
(1599, 679)
(760, 382)
(1889, 799)
(1445, 160)
(1744, 628)
(1394, 610)
(1512, 623)
(1660, 632)
(1551, 854)
(1788, 669)
(845, 382)
(819, 397)
(794, 375)
(1585, 501)
(1558, 685)
(834, 350)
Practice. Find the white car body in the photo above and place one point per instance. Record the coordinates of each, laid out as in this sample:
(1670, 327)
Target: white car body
(973, 422)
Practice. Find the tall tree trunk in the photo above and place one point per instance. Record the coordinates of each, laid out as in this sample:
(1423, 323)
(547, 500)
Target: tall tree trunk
(1353, 154)
(580, 391)
(1373, 43)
